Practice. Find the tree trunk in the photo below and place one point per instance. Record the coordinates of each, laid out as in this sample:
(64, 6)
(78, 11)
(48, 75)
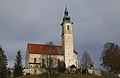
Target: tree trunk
(48, 74)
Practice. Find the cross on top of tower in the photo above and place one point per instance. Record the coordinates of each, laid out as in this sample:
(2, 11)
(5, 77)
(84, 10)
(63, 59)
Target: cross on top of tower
(66, 16)
(66, 11)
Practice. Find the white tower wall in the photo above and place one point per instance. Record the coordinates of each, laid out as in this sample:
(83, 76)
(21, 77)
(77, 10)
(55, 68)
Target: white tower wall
(67, 43)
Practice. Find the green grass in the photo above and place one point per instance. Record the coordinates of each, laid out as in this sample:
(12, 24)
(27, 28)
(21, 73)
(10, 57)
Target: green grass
(65, 76)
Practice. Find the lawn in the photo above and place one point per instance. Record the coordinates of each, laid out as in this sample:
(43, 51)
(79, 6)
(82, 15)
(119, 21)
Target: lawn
(65, 76)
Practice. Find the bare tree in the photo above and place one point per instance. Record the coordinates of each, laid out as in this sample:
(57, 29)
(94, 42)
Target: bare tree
(111, 57)
(86, 61)
(49, 62)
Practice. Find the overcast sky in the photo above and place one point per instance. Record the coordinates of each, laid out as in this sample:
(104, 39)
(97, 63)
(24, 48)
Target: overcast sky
(95, 22)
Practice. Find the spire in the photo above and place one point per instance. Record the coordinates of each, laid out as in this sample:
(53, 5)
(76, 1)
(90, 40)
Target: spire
(66, 11)
(66, 16)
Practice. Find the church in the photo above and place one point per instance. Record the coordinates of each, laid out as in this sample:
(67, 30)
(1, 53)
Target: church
(36, 53)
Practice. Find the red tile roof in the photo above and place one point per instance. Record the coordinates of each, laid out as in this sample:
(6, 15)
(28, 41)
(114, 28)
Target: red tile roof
(43, 49)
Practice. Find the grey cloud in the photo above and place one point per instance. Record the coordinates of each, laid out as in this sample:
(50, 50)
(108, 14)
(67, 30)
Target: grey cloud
(95, 22)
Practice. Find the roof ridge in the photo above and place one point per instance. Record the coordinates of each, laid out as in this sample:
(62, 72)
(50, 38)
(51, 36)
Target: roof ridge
(43, 44)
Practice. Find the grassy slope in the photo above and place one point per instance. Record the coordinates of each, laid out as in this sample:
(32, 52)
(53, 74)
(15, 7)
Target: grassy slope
(64, 76)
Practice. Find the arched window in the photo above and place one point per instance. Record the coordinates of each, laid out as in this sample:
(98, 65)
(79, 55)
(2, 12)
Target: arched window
(43, 62)
(58, 62)
(36, 66)
(35, 60)
(68, 27)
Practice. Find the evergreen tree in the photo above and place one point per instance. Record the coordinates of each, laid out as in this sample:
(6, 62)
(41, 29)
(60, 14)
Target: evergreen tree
(61, 66)
(18, 67)
(3, 64)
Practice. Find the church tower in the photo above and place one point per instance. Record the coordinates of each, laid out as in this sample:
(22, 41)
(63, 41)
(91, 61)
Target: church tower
(67, 39)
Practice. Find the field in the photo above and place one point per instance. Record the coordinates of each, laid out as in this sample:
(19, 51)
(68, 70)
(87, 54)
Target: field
(65, 76)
